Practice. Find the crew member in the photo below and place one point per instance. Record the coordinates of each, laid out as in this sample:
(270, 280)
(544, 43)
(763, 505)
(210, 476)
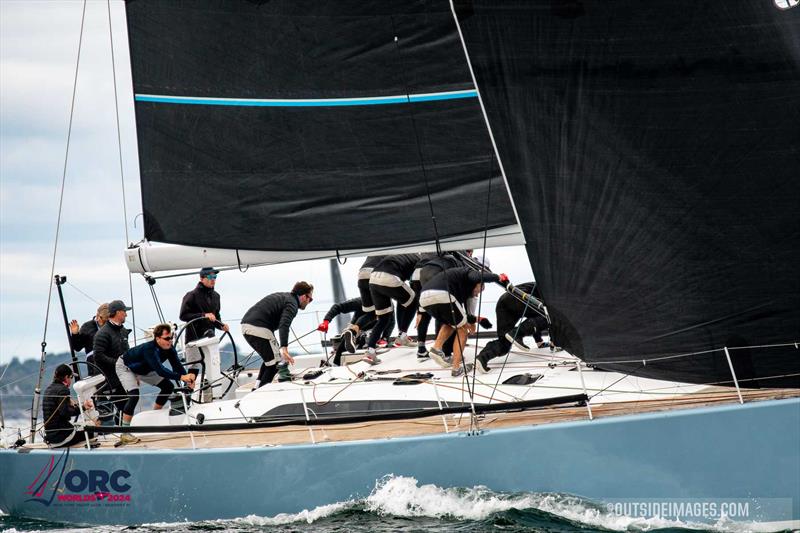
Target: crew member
(82, 338)
(352, 337)
(366, 297)
(450, 297)
(388, 282)
(510, 309)
(145, 364)
(110, 342)
(58, 409)
(200, 309)
(428, 266)
(275, 312)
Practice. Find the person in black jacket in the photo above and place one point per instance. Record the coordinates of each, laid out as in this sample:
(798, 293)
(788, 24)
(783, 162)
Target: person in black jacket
(82, 338)
(58, 408)
(510, 309)
(275, 312)
(388, 282)
(110, 342)
(200, 309)
(430, 265)
(450, 297)
(360, 323)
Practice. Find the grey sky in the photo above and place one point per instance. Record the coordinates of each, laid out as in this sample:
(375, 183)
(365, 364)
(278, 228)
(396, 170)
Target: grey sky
(38, 47)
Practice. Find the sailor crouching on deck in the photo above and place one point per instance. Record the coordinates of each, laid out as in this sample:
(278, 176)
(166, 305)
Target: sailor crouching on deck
(388, 282)
(259, 323)
(450, 297)
(509, 310)
(58, 408)
(145, 363)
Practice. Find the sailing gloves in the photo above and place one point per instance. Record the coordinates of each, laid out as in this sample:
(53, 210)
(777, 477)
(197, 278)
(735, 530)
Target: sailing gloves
(484, 322)
(503, 279)
(323, 327)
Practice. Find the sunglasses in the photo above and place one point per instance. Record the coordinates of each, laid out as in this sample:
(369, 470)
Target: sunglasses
(211, 276)
(169, 338)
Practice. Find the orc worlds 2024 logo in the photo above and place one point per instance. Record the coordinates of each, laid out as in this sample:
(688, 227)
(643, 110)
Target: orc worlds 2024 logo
(57, 484)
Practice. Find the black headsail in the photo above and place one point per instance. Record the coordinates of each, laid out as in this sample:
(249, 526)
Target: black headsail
(652, 151)
(303, 125)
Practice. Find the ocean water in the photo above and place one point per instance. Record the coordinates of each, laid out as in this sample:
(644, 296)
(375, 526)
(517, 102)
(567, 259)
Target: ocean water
(402, 504)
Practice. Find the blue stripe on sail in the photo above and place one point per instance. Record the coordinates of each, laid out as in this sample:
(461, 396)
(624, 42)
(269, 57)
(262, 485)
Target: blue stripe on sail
(317, 102)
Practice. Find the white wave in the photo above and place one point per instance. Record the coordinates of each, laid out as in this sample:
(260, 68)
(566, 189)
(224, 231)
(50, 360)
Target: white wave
(403, 496)
(303, 516)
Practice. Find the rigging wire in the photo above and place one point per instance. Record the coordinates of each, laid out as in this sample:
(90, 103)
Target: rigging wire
(37, 390)
(83, 293)
(419, 144)
(430, 199)
(121, 171)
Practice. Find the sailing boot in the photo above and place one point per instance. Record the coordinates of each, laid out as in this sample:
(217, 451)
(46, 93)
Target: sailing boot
(283, 372)
(127, 438)
(371, 357)
(438, 356)
(460, 371)
(403, 340)
(422, 352)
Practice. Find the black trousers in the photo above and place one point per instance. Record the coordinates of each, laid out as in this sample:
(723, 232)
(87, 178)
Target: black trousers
(509, 311)
(263, 347)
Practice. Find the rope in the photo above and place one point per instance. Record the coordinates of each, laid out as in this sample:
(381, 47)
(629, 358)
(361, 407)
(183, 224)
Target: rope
(121, 171)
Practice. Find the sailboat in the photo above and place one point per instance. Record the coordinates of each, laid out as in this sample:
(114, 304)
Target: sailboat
(632, 150)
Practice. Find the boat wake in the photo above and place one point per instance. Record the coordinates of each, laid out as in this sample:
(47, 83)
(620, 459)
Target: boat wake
(405, 498)
(402, 502)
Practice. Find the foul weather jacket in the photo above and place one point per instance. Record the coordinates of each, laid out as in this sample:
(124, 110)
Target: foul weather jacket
(459, 282)
(57, 409)
(195, 304)
(274, 312)
(149, 357)
(110, 342)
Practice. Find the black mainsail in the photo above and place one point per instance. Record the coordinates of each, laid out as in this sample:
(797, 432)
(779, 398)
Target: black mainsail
(304, 125)
(652, 151)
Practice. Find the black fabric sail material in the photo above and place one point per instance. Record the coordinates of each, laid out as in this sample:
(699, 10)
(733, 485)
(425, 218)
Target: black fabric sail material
(236, 150)
(652, 151)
